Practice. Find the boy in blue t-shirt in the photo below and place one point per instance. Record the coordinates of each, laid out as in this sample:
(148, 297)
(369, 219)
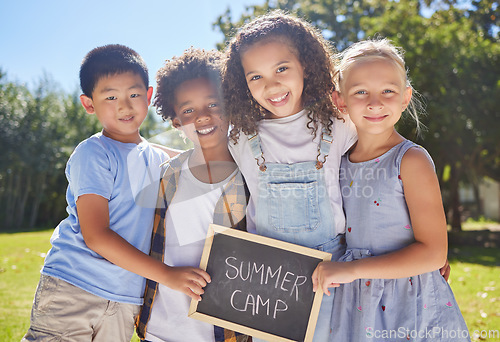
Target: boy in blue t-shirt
(93, 277)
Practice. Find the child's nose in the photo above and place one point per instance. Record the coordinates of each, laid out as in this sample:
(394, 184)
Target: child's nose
(375, 104)
(272, 83)
(375, 107)
(203, 116)
(125, 104)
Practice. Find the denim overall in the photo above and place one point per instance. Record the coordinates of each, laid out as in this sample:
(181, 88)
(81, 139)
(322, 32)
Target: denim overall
(294, 206)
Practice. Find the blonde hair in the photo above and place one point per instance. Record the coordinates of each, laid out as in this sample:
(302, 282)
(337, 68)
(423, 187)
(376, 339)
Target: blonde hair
(379, 49)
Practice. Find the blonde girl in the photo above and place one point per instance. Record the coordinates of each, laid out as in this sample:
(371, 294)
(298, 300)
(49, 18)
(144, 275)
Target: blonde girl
(391, 288)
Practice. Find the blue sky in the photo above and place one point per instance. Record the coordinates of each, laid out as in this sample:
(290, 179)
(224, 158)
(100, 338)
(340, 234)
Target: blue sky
(53, 36)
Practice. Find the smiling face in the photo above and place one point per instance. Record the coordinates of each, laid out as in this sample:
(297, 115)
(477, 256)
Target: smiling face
(374, 94)
(275, 76)
(199, 114)
(120, 102)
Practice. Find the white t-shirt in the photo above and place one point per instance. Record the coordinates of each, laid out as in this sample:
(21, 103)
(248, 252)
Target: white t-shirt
(288, 140)
(186, 221)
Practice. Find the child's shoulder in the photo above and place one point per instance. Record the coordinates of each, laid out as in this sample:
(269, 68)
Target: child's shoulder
(177, 161)
(91, 145)
(98, 146)
(163, 154)
(414, 153)
(344, 125)
(416, 160)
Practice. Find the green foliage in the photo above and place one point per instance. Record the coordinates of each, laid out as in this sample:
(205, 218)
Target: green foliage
(39, 130)
(455, 65)
(452, 56)
(339, 20)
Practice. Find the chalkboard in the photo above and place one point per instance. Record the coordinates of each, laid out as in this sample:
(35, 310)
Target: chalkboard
(260, 286)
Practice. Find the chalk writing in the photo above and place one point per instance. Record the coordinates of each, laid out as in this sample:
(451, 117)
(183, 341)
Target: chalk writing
(247, 270)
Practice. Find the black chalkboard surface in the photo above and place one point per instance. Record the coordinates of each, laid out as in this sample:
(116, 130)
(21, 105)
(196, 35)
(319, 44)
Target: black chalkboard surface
(260, 286)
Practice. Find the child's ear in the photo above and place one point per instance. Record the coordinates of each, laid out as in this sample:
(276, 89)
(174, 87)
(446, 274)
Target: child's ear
(407, 98)
(150, 95)
(176, 123)
(87, 103)
(339, 102)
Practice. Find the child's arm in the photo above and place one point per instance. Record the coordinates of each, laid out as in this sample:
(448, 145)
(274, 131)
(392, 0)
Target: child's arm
(445, 270)
(93, 214)
(429, 250)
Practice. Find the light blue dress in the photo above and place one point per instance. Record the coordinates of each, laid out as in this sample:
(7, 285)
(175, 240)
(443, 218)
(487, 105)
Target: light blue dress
(418, 308)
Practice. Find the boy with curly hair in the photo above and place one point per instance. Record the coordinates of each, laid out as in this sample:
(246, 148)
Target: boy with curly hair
(199, 187)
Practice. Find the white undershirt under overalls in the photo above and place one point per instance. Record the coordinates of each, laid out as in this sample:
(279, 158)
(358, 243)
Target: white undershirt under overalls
(292, 197)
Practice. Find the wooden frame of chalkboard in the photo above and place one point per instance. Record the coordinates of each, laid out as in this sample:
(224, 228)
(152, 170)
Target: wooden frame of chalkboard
(260, 286)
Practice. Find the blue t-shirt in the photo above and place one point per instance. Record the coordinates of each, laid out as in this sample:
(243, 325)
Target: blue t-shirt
(127, 175)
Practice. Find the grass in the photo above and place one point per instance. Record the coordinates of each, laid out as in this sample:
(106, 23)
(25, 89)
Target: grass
(474, 279)
(21, 258)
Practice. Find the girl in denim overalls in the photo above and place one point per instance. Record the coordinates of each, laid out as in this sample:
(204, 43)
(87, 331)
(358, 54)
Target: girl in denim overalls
(287, 136)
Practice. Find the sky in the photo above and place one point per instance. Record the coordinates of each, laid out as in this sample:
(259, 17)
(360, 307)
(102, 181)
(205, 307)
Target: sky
(51, 37)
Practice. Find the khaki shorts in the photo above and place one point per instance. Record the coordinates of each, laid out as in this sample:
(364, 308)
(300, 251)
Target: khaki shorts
(64, 312)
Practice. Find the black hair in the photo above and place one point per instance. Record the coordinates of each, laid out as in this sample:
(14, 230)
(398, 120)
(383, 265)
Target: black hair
(109, 60)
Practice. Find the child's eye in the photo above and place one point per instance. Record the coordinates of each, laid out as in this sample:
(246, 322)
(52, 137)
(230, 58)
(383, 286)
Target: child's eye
(360, 92)
(213, 105)
(255, 78)
(388, 91)
(281, 69)
(187, 111)
(111, 98)
(134, 95)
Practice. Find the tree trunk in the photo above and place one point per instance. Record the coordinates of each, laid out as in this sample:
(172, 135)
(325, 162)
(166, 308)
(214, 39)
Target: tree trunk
(24, 190)
(9, 200)
(12, 217)
(40, 189)
(456, 220)
(477, 199)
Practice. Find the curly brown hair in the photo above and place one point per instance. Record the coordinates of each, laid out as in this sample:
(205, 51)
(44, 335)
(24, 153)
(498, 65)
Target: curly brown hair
(313, 51)
(192, 64)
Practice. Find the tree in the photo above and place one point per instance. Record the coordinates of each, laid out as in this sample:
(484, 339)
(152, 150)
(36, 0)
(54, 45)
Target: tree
(34, 130)
(339, 20)
(457, 69)
(453, 59)
(38, 131)
(14, 102)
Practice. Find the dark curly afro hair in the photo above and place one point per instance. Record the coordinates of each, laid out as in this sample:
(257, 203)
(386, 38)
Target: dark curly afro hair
(192, 64)
(315, 54)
